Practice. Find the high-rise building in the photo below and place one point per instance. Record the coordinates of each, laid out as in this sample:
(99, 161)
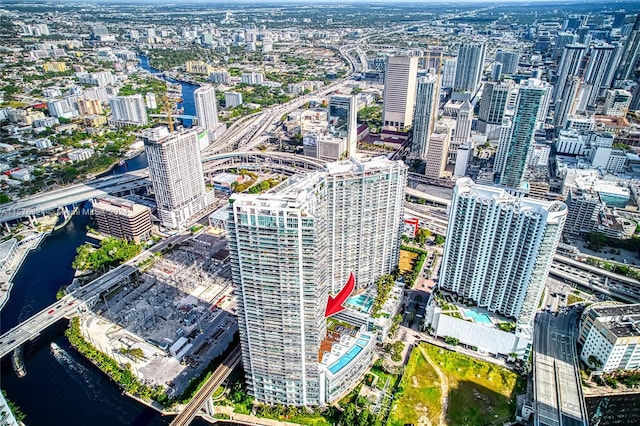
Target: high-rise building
(289, 250)
(128, 110)
(122, 218)
(630, 53)
(425, 114)
(531, 97)
(569, 66)
(596, 71)
(509, 61)
(499, 248)
(449, 73)
(400, 78)
(617, 102)
(567, 104)
(495, 97)
(279, 259)
(469, 67)
(609, 334)
(207, 109)
(366, 204)
(232, 99)
(343, 115)
(175, 170)
(562, 40)
(463, 124)
(436, 158)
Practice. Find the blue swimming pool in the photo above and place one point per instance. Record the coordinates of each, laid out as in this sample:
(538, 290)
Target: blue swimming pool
(362, 341)
(477, 317)
(345, 359)
(361, 301)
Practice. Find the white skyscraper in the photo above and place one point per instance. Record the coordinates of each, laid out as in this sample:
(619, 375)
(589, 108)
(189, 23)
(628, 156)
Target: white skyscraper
(499, 248)
(469, 67)
(400, 78)
(278, 245)
(175, 170)
(366, 199)
(343, 114)
(128, 110)
(424, 117)
(206, 107)
(289, 250)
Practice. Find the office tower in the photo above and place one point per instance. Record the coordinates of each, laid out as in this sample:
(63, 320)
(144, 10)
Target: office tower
(278, 248)
(424, 117)
(463, 158)
(128, 110)
(286, 249)
(469, 67)
(496, 71)
(206, 107)
(509, 61)
(122, 218)
(569, 66)
(343, 115)
(617, 102)
(449, 73)
(366, 199)
(567, 105)
(629, 59)
(612, 68)
(463, 123)
(531, 96)
(499, 248)
(400, 78)
(436, 158)
(493, 104)
(596, 70)
(562, 40)
(175, 170)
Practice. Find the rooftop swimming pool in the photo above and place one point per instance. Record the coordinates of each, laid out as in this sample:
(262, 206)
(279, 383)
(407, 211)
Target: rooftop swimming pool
(345, 359)
(361, 301)
(477, 317)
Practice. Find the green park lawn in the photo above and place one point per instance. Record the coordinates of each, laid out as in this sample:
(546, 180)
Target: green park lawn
(479, 393)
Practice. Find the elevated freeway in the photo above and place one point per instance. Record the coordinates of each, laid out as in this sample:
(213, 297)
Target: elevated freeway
(52, 200)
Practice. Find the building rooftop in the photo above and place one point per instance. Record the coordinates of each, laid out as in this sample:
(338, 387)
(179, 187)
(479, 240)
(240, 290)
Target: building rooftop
(119, 206)
(621, 320)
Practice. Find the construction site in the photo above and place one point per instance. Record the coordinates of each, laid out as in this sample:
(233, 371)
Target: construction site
(169, 320)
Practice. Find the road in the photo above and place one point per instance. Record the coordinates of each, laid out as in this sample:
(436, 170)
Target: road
(557, 388)
(51, 200)
(222, 372)
(70, 303)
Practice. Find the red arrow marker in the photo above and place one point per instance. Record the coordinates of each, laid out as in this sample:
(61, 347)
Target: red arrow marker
(334, 304)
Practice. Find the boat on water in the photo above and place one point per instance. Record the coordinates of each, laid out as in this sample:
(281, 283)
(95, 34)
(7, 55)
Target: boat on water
(17, 362)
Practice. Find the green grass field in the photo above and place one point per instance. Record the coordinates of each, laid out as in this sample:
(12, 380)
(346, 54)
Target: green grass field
(480, 393)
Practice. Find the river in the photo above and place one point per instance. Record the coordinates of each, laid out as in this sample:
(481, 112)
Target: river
(61, 387)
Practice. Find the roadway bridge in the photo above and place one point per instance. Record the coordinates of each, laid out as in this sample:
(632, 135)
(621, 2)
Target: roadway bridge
(63, 308)
(51, 201)
(44, 203)
(84, 296)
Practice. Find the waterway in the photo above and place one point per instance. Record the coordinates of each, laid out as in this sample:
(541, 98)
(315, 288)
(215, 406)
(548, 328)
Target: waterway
(188, 103)
(61, 387)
